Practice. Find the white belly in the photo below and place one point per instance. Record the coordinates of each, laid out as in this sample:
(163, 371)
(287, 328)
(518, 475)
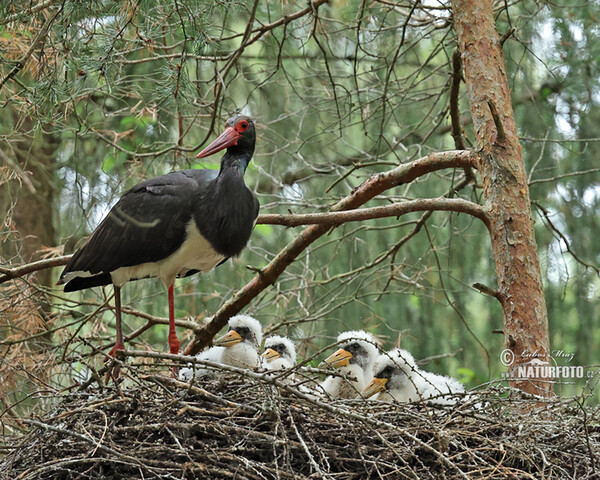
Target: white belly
(195, 253)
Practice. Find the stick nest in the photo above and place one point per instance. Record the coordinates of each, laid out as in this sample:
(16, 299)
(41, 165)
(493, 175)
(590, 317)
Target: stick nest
(242, 428)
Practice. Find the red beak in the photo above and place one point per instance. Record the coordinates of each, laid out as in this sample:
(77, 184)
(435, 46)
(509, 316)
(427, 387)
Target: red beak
(227, 139)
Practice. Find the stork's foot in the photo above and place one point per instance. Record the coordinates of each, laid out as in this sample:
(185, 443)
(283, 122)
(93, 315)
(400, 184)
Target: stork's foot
(174, 349)
(113, 368)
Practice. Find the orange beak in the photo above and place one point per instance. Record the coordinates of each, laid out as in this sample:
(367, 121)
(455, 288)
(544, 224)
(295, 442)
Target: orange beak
(269, 354)
(377, 385)
(229, 339)
(340, 358)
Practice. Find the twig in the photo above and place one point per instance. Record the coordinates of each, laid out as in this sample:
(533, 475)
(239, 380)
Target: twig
(86, 439)
(546, 216)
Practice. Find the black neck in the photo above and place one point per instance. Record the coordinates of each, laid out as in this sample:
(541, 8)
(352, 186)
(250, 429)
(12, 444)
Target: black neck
(236, 159)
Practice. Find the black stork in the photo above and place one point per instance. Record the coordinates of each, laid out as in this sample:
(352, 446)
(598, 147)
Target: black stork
(172, 226)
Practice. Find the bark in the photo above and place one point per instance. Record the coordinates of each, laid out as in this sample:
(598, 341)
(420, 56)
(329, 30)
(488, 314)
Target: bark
(507, 200)
(27, 203)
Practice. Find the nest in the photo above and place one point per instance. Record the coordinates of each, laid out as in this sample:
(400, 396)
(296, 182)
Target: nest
(240, 427)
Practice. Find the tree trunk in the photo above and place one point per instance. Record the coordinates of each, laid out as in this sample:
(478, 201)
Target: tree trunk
(27, 205)
(507, 201)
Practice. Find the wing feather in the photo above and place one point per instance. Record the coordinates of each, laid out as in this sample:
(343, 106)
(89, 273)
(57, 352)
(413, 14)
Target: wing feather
(147, 224)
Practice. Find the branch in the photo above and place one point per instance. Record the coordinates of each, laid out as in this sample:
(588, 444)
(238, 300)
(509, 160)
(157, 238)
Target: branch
(394, 210)
(259, 32)
(506, 35)
(563, 237)
(10, 273)
(370, 188)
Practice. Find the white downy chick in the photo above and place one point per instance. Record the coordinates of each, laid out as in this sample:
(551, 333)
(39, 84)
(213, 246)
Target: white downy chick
(279, 354)
(237, 348)
(355, 359)
(396, 376)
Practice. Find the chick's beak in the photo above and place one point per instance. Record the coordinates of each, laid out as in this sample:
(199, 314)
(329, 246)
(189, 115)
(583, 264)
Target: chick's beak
(269, 354)
(227, 139)
(340, 358)
(377, 385)
(229, 339)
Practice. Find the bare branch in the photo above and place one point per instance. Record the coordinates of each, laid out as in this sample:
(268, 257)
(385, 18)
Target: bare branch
(10, 273)
(564, 239)
(393, 210)
(372, 187)
(457, 135)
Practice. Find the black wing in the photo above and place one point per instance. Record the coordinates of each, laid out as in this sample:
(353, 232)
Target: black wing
(147, 224)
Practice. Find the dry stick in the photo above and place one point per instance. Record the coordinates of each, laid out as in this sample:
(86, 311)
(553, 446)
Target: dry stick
(90, 440)
(311, 459)
(267, 378)
(454, 108)
(372, 187)
(10, 273)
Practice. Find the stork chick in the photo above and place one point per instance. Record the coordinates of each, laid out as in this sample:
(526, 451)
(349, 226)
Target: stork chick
(396, 376)
(355, 359)
(237, 348)
(279, 354)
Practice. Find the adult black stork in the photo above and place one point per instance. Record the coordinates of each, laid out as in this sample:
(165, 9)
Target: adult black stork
(172, 226)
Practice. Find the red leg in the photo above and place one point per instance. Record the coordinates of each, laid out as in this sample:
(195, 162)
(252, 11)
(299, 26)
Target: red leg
(173, 340)
(113, 370)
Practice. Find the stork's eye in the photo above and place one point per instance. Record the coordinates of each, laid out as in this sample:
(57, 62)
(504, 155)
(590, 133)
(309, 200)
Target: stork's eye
(243, 126)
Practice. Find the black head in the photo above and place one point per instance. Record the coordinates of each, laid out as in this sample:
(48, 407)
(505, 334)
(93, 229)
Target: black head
(245, 333)
(359, 354)
(387, 372)
(238, 138)
(280, 348)
(398, 367)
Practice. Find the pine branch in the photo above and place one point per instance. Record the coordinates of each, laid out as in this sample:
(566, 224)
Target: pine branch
(41, 35)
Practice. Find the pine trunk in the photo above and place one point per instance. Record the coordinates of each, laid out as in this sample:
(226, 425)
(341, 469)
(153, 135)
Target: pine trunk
(507, 201)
